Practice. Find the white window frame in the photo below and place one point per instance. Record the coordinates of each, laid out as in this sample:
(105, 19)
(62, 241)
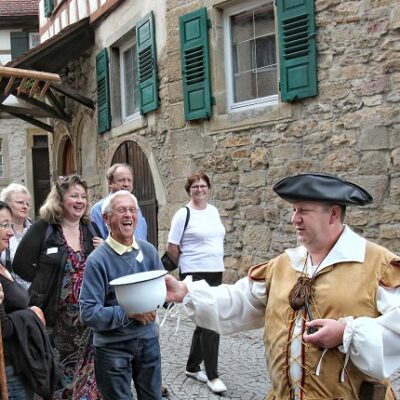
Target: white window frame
(122, 48)
(248, 104)
(34, 39)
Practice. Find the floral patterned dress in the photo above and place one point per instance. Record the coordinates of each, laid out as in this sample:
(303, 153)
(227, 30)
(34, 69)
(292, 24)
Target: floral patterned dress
(72, 341)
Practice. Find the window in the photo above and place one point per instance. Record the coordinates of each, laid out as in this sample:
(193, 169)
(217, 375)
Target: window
(48, 7)
(34, 39)
(22, 42)
(251, 55)
(128, 80)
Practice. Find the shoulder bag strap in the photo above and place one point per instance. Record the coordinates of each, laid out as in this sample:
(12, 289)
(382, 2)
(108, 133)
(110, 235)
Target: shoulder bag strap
(187, 220)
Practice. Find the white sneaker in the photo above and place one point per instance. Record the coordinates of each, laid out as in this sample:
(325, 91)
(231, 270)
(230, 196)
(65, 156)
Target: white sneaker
(216, 385)
(199, 375)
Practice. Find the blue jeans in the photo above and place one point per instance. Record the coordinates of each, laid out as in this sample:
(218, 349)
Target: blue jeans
(116, 364)
(18, 387)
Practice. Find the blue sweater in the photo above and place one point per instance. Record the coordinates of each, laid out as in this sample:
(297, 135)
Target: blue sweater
(98, 304)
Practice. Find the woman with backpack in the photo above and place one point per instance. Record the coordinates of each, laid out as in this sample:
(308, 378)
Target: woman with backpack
(197, 247)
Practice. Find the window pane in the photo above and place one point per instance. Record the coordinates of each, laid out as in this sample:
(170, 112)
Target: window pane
(264, 23)
(265, 52)
(267, 82)
(242, 26)
(242, 57)
(245, 86)
(129, 81)
(253, 51)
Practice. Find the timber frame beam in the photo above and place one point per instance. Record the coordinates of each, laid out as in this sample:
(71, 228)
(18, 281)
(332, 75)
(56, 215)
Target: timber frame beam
(36, 89)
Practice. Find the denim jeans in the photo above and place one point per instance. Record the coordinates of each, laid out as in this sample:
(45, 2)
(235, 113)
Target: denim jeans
(18, 387)
(116, 364)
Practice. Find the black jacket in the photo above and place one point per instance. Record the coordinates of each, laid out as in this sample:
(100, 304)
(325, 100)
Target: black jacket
(40, 258)
(33, 355)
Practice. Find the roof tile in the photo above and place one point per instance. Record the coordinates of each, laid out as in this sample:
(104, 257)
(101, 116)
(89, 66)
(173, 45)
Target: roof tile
(9, 8)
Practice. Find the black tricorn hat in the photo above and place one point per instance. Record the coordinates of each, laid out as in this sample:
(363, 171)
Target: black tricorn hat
(319, 186)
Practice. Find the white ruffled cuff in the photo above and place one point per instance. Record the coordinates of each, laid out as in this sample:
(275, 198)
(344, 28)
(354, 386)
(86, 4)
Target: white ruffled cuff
(347, 335)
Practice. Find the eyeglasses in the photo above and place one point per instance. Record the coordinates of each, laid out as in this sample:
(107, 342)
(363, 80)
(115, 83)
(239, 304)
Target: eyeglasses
(197, 187)
(7, 226)
(22, 203)
(124, 210)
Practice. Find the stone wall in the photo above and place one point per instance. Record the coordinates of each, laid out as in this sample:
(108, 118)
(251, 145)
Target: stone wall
(13, 132)
(352, 129)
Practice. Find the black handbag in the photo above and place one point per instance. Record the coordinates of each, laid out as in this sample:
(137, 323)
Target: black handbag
(169, 265)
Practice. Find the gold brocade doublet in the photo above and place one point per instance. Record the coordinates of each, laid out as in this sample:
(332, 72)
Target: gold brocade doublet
(341, 290)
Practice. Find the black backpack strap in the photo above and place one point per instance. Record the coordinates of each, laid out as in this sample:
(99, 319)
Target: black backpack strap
(93, 229)
(187, 219)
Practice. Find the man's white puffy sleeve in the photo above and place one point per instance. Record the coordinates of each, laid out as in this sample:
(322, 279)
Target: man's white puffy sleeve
(374, 343)
(227, 309)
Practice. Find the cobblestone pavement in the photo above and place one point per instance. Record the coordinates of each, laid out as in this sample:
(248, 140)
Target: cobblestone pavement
(241, 365)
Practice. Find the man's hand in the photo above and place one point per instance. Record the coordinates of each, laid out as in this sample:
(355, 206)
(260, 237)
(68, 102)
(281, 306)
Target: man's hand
(176, 290)
(329, 333)
(97, 241)
(145, 318)
(1, 294)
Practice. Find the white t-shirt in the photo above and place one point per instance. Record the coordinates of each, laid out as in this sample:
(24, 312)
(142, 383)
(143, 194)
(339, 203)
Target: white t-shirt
(202, 244)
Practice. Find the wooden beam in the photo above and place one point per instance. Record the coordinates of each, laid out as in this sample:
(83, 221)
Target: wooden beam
(30, 74)
(56, 104)
(53, 111)
(35, 122)
(9, 86)
(73, 95)
(33, 112)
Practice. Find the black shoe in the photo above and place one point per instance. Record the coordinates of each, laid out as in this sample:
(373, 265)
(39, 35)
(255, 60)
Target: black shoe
(164, 391)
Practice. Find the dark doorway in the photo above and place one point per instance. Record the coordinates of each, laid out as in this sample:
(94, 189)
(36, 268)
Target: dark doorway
(41, 171)
(68, 165)
(130, 153)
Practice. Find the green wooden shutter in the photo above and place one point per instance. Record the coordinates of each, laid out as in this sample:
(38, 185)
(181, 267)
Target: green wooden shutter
(48, 7)
(19, 43)
(103, 92)
(195, 61)
(297, 49)
(147, 64)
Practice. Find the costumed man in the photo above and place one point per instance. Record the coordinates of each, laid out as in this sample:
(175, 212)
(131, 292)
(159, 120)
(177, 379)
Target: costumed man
(330, 307)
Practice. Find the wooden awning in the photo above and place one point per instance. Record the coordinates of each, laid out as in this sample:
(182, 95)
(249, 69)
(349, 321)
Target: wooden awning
(22, 78)
(33, 87)
(29, 82)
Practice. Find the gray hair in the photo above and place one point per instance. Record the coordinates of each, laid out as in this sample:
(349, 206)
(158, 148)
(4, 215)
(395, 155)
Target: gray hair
(106, 206)
(111, 171)
(11, 189)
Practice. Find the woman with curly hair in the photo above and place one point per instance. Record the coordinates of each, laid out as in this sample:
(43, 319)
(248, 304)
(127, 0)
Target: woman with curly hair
(52, 255)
